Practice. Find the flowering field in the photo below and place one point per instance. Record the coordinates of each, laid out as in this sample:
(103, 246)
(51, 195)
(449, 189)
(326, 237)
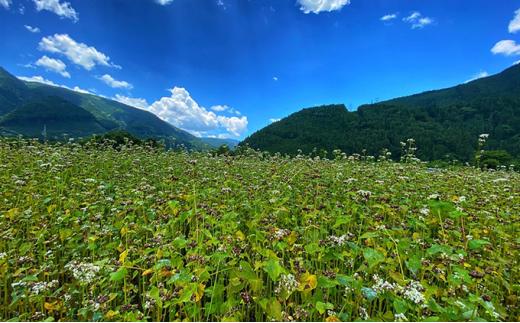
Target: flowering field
(100, 234)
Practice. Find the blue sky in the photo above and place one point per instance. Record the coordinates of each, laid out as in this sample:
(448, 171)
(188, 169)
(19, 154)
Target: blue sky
(227, 67)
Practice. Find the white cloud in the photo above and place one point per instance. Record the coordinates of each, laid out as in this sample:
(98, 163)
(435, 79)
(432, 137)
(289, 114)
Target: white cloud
(133, 102)
(514, 25)
(317, 6)
(516, 63)
(110, 81)
(40, 79)
(181, 110)
(506, 47)
(389, 17)
(478, 76)
(54, 65)
(275, 78)
(32, 29)
(62, 9)
(417, 20)
(5, 3)
(78, 53)
(225, 108)
(272, 120)
(164, 2)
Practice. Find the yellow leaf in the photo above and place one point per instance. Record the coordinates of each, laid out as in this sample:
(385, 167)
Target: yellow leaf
(291, 239)
(124, 231)
(147, 272)
(240, 236)
(467, 265)
(12, 213)
(416, 236)
(50, 306)
(332, 319)
(122, 256)
(111, 314)
(51, 208)
(200, 292)
(308, 282)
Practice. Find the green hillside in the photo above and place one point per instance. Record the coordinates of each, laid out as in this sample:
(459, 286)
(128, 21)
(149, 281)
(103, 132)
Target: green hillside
(445, 123)
(26, 106)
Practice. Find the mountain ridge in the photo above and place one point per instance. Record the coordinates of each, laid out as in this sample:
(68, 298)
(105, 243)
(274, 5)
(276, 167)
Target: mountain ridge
(445, 123)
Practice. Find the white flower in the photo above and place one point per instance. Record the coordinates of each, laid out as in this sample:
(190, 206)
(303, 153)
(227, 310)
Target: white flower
(84, 272)
(381, 285)
(400, 317)
(287, 283)
(413, 292)
(364, 194)
(424, 211)
(3, 255)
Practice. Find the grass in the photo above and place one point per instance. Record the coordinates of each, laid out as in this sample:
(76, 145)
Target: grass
(98, 234)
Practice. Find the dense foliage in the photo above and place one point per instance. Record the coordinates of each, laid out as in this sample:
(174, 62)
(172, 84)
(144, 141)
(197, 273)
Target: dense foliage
(134, 233)
(445, 123)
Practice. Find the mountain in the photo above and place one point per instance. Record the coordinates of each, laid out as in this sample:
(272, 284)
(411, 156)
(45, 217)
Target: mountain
(217, 142)
(26, 107)
(445, 123)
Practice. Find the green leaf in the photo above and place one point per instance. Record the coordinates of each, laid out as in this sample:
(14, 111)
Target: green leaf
(373, 257)
(323, 307)
(477, 244)
(414, 263)
(274, 309)
(119, 275)
(273, 268)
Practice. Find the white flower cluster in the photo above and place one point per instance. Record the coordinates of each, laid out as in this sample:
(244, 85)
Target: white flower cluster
(281, 233)
(400, 317)
(364, 194)
(41, 287)
(84, 272)
(339, 241)
(382, 285)
(3, 255)
(413, 292)
(287, 283)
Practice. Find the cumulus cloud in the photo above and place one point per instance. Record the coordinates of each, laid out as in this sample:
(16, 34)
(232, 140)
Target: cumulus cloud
(506, 47)
(5, 3)
(34, 30)
(112, 82)
(514, 25)
(62, 9)
(133, 102)
(78, 53)
(478, 76)
(181, 110)
(389, 17)
(317, 6)
(54, 65)
(417, 20)
(164, 2)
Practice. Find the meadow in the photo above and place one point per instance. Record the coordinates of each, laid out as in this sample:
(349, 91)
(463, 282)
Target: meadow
(94, 233)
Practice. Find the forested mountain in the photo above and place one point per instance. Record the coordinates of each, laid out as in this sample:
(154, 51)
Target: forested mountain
(27, 107)
(445, 123)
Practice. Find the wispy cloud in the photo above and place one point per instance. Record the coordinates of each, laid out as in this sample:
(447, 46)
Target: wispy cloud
(514, 25)
(317, 6)
(506, 47)
(5, 3)
(477, 76)
(78, 53)
(417, 20)
(62, 9)
(389, 17)
(110, 81)
(34, 30)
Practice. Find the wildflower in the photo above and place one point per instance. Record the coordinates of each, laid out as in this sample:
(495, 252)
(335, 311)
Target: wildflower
(424, 211)
(226, 190)
(3, 255)
(41, 287)
(281, 233)
(433, 197)
(365, 194)
(381, 285)
(84, 272)
(287, 283)
(363, 313)
(413, 292)
(400, 317)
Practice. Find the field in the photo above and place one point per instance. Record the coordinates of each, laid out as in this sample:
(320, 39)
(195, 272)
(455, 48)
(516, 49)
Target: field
(99, 234)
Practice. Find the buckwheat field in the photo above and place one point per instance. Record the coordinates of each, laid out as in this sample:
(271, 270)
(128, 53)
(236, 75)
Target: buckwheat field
(94, 233)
